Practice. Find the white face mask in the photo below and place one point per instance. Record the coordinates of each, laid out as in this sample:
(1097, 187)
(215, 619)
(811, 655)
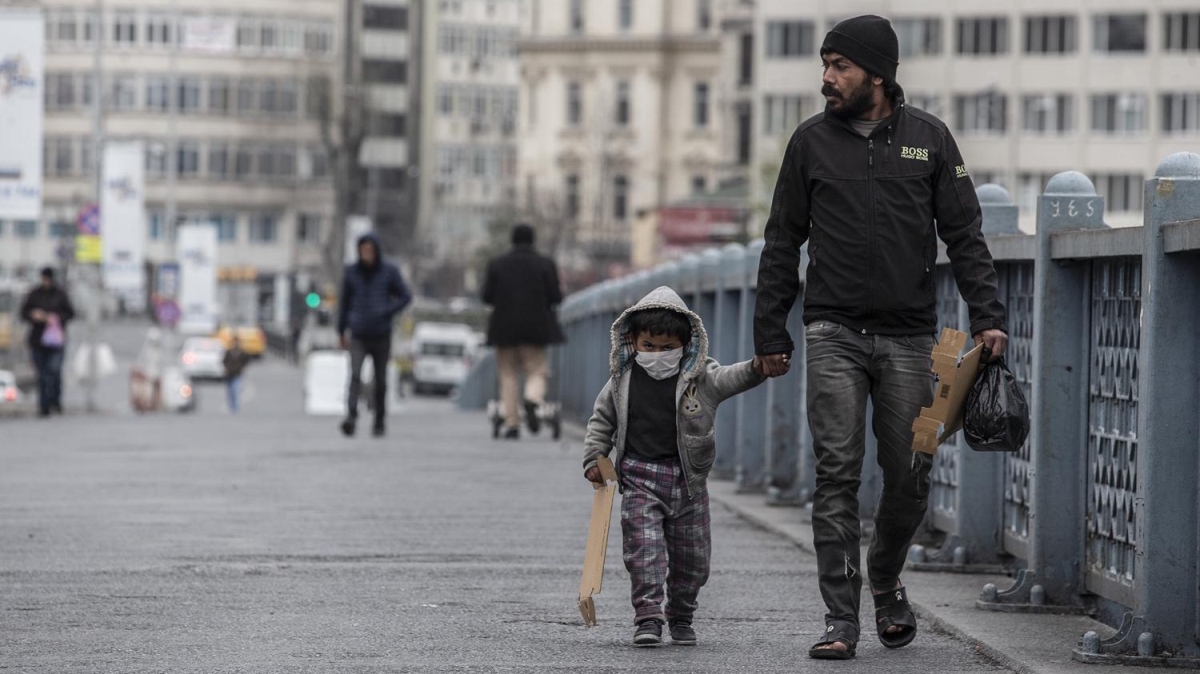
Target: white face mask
(662, 364)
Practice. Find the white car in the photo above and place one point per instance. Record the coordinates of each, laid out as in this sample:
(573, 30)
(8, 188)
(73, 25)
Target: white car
(203, 358)
(177, 392)
(442, 355)
(9, 393)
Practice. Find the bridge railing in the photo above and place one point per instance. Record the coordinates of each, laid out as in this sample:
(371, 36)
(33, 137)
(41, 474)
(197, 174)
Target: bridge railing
(1098, 512)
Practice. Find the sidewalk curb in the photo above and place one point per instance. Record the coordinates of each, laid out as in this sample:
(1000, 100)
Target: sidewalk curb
(925, 612)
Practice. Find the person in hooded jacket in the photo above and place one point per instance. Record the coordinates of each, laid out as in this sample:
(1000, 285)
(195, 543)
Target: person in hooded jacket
(373, 293)
(48, 309)
(655, 418)
(870, 185)
(522, 288)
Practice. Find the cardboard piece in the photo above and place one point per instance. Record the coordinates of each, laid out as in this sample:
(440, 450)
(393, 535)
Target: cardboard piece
(954, 379)
(597, 541)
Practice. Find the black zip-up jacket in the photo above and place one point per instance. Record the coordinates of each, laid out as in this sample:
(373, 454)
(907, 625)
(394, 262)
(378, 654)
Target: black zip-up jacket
(868, 208)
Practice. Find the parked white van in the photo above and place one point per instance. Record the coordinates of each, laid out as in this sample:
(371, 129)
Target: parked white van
(442, 355)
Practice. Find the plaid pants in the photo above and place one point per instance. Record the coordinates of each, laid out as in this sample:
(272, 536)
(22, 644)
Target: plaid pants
(666, 538)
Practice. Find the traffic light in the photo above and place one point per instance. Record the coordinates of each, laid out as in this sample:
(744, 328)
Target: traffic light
(312, 300)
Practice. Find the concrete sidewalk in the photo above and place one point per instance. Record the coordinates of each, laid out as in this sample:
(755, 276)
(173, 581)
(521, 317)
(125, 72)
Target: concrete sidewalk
(1029, 644)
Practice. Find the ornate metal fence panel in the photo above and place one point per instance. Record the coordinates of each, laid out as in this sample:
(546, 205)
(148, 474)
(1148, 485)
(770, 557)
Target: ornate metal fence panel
(944, 476)
(1018, 278)
(1112, 487)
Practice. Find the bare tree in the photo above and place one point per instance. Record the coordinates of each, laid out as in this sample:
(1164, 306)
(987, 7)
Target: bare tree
(343, 124)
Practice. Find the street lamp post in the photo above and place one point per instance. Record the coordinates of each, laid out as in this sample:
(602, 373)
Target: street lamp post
(93, 284)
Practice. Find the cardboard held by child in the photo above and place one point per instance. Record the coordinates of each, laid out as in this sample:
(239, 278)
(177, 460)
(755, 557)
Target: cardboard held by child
(597, 541)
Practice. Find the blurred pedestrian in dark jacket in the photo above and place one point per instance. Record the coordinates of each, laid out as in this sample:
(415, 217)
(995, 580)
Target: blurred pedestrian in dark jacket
(522, 288)
(373, 293)
(235, 362)
(47, 309)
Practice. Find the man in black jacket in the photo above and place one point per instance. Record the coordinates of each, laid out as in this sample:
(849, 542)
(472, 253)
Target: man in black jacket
(373, 293)
(522, 287)
(48, 309)
(870, 184)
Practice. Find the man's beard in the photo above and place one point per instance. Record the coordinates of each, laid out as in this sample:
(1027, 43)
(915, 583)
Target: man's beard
(855, 105)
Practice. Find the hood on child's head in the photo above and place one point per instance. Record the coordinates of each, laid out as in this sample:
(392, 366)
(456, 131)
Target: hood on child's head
(623, 351)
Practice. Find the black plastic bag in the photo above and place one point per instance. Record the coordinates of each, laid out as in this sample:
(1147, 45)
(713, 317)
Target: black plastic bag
(996, 417)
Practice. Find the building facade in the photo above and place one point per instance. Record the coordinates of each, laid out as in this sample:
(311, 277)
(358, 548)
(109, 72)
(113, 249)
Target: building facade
(473, 126)
(618, 115)
(223, 98)
(1030, 88)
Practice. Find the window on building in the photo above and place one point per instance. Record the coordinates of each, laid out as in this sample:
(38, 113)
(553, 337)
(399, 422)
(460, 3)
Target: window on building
(981, 113)
(571, 198)
(318, 39)
(187, 159)
(268, 96)
(746, 60)
(388, 124)
(574, 104)
(66, 26)
(745, 133)
(790, 39)
(576, 17)
(158, 93)
(445, 100)
(782, 114)
(289, 97)
(625, 15)
(227, 226)
(91, 26)
(218, 161)
(219, 96)
(156, 160)
(60, 229)
(700, 103)
(1119, 114)
(60, 156)
(266, 161)
(1051, 114)
(318, 163)
(385, 17)
(308, 229)
(247, 97)
(377, 71)
(285, 161)
(268, 35)
(622, 111)
(124, 92)
(1117, 33)
(189, 95)
(1050, 35)
(60, 91)
(125, 28)
(931, 103)
(699, 184)
(263, 227)
(984, 36)
(1181, 31)
(1181, 113)
(87, 90)
(86, 154)
(247, 34)
(243, 162)
(155, 224)
(919, 36)
(1122, 192)
(26, 229)
(158, 29)
(620, 198)
(704, 16)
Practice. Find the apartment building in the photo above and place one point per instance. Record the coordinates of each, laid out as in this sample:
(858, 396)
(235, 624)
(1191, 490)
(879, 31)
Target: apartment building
(1106, 87)
(618, 114)
(224, 99)
(473, 124)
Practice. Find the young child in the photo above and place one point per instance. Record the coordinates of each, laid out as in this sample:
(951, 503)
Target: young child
(655, 417)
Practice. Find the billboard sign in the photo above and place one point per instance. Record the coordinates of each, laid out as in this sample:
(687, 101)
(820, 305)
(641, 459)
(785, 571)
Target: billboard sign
(123, 222)
(197, 251)
(22, 86)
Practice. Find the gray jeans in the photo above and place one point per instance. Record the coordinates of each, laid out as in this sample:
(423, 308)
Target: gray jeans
(844, 369)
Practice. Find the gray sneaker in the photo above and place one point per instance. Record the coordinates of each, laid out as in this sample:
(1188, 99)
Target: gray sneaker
(648, 633)
(682, 633)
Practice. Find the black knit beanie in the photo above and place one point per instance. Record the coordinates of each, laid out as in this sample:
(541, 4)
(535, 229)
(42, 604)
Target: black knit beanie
(869, 41)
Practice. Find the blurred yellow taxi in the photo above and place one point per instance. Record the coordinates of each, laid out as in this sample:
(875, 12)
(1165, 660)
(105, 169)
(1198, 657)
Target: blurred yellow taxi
(253, 339)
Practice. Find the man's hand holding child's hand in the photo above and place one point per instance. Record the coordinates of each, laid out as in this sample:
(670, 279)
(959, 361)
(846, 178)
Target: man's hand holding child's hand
(774, 365)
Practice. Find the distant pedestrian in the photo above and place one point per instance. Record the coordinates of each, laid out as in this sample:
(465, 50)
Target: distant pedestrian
(373, 294)
(870, 184)
(235, 362)
(48, 309)
(655, 417)
(522, 288)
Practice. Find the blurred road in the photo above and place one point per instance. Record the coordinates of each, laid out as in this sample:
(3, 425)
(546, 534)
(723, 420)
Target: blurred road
(266, 542)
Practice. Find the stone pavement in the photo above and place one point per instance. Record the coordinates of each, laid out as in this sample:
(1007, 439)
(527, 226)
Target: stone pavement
(267, 543)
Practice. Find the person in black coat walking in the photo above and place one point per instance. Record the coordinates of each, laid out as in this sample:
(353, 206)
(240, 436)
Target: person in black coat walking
(373, 293)
(522, 288)
(47, 309)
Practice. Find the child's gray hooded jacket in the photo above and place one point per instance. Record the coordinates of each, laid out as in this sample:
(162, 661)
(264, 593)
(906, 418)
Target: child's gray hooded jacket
(702, 385)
